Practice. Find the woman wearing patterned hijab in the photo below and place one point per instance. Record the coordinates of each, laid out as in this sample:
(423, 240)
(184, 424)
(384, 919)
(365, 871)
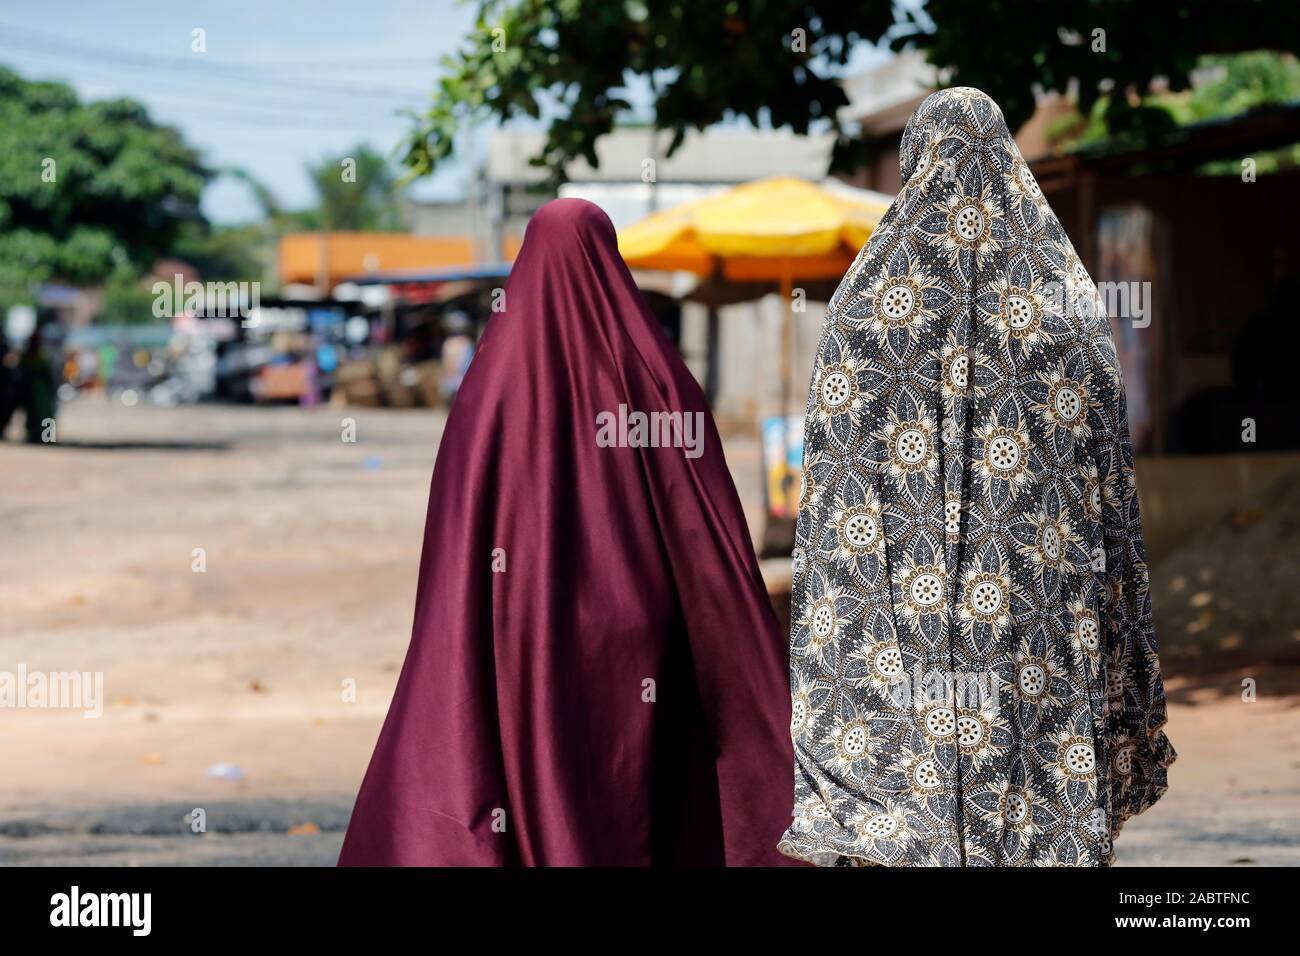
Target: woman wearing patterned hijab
(973, 669)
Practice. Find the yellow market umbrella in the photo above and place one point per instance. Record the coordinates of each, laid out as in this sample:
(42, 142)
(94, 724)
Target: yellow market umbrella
(781, 230)
(767, 230)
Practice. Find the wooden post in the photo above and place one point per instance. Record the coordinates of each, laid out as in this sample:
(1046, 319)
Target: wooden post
(778, 533)
(787, 334)
(323, 262)
(711, 336)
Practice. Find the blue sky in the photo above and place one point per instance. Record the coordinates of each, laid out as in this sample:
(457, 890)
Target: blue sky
(281, 84)
(262, 97)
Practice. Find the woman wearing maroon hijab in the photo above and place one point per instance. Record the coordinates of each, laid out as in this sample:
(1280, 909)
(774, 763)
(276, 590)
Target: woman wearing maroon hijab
(595, 675)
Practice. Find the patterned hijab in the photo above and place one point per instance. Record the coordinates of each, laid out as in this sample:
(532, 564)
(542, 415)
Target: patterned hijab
(974, 674)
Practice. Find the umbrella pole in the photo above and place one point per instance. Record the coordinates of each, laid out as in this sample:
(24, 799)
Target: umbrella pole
(779, 532)
(787, 347)
(711, 356)
(787, 335)
(784, 530)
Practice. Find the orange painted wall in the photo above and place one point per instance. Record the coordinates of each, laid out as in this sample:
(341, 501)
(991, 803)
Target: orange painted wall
(353, 254)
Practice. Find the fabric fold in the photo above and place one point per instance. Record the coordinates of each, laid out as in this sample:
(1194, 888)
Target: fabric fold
(595, 674)
(974, 676)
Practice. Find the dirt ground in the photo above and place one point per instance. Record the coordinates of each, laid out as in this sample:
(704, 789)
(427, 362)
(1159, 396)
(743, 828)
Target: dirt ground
(311, 547)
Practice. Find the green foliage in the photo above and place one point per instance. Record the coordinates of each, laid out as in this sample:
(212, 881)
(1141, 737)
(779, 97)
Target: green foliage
(1227, 86)
(1105, 47)
(127, 300)
(356, 192)
(1241, 83)
(122, 187)
(568, 62)
(1245, 82)
(707, 60)
(224, 253)
(370, 198)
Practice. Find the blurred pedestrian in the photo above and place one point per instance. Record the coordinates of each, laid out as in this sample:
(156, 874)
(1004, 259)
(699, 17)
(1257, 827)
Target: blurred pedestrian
(457, 352)
(39, 389)
(10, 384)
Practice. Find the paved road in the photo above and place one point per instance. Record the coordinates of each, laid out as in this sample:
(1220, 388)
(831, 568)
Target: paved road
(238, 833)
(310, 832)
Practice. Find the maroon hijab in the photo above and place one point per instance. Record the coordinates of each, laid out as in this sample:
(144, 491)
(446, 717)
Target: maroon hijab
(595, 675)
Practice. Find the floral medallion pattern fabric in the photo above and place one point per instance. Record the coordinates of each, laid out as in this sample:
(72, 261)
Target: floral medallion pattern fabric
(974, 674)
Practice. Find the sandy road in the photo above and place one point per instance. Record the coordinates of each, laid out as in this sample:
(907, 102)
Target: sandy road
(311, 546)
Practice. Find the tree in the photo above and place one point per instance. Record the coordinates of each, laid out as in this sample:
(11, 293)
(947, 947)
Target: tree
(1230, 84)
(356, 191)
(87, 190)
(705, 59)
(224, 253)
(773, 61)
(1108, 49)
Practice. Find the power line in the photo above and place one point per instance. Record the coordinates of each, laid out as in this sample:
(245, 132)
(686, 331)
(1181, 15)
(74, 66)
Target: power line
(228, 101)
(341, 66)
(274, 66)
(289, 124)
(195, 66)
(204, 114)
